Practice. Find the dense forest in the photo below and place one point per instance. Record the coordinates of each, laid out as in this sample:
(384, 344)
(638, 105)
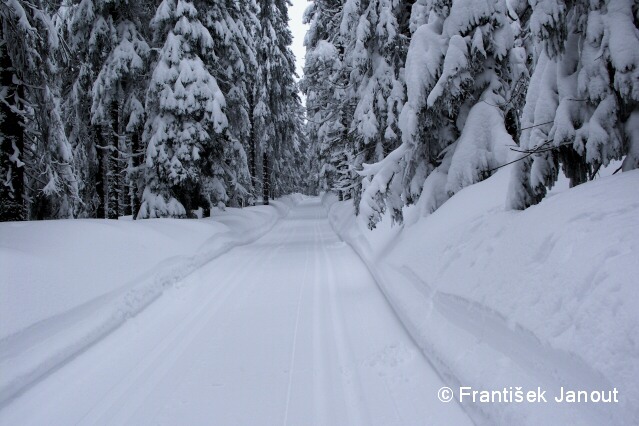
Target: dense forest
(415, 100)
(151, 108)
(111, 107)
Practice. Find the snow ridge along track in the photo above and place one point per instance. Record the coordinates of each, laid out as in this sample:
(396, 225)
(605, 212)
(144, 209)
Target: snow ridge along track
(469, 344)
(290, 329)
(30, 355)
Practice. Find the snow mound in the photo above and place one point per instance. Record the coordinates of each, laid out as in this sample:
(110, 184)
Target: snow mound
(545, 297)
(71, 282)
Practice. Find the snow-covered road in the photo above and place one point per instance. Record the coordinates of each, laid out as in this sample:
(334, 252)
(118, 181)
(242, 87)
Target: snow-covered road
(288, 330)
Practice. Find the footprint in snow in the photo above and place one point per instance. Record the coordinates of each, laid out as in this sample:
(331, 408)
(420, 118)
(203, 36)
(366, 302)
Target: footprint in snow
(388, 360)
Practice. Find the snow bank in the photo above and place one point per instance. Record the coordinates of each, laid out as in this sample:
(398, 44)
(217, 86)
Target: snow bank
(545, 297)
(71, 282)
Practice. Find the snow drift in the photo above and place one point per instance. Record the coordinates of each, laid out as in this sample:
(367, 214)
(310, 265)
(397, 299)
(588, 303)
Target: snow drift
(68, 287)
(545, 297)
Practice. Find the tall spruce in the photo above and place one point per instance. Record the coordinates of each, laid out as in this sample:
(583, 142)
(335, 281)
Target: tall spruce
(117, 96)
(582, 106)
(232, 25)
(36, 159)
(464, 69)
(376, 35)
(185, 129)
(276, 101)
(325, 85)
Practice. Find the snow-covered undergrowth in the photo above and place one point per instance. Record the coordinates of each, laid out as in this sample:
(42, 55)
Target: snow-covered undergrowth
(545, 297)
(68, 283)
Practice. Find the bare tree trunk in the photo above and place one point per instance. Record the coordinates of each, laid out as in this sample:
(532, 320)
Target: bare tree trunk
(117, 186)
(101, 179)
(252, 146)
(135, 162)
(266, 185)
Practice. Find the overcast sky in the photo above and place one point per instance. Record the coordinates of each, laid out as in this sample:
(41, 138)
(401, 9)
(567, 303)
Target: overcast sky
(296, 11)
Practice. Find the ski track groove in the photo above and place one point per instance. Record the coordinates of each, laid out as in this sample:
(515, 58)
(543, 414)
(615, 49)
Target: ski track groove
(295, 333)
(177, 341)
(351, 390)
(319, 370)
(322, 337)
(261, 260)
(112, 295)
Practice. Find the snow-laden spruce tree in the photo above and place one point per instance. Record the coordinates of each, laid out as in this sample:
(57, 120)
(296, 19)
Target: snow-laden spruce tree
(233, 26)
(185, 129)
(89, 32)
(117, 98)
(286, 176)
(376, 36)
(275, 97)
(582, 106)
(12, 139)
(289, 172)
(36, 162)
(465, 70)
(325, 85)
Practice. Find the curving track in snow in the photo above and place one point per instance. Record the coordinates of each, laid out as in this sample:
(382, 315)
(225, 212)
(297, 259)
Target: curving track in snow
(288, 330)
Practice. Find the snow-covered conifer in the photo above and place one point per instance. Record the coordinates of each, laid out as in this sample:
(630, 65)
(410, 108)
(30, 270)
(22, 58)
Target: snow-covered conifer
(325, 84)
(185, 130)
(232, 25)
(465, 69)
(36, 154)
(582, 106)
(116, 96)
(376, 35)
(275, 99)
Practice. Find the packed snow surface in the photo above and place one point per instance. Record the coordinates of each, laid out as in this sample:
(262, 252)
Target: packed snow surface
(297, 314)
(545, 297)
(68, 283)
(288, 330)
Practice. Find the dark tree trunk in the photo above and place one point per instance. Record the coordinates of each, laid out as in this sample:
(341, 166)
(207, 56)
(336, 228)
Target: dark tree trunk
(114, 163)
(266, 185)
(101, 178)
(253, 162)
(136, 161)
(252, 146)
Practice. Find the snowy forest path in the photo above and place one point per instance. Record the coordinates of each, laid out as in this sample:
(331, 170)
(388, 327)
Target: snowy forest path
(289, 330)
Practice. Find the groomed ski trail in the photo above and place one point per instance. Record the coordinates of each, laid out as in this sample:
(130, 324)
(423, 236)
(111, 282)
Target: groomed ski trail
(288, 330)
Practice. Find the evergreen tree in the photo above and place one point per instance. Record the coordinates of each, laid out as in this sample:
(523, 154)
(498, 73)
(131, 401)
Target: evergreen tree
(582, 106)
(185, 130)
(276, 101)
(376, 38)
(464, 70)
(290, 174)
(232, 25)
(106, 59)
(12, 138)
(325, 85)
(88, 36)
(116, 104)
(38, 176)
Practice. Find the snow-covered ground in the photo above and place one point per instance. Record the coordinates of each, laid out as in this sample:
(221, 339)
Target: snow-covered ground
(545, 297)
(290, 329)
(296, 314)
(70, 282)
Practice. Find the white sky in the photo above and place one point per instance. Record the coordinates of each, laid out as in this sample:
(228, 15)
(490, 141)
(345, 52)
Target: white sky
(296, 12)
